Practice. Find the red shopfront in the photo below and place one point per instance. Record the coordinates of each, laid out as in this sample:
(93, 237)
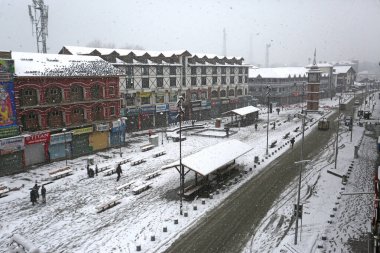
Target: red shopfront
(36, 148)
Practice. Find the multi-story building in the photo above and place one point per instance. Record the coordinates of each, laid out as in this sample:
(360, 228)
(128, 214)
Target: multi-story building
(287, 84)
(345, 78)
(66, 105)
(152, 82)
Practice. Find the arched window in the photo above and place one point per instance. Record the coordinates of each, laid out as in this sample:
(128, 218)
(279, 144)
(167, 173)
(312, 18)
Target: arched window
(54, 118)
(97, 113)
(28, 97)
(76, 93)
(223, 93)
(77, 115)
(30, 121)
(239, 92)
(96, 91)
(246, 91)
(214, 94)
(53, 95)
(231, 93)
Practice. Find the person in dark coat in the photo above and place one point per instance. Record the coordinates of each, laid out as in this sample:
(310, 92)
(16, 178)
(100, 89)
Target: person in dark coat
(43, 194)
(292, 140)
(35, 188)
(92, 173)
(33, 197)
(88, 170)
(96, 170)
(255, 126)
(118, 171)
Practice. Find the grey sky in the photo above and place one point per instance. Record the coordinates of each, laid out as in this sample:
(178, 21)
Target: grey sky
(339, 29)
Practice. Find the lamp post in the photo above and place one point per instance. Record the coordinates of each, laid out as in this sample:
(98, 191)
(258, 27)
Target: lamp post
(181, 169)
(162, 132)
(268, 96)
(337, 133)
(298, 197)
(120, 135)
(64, 136)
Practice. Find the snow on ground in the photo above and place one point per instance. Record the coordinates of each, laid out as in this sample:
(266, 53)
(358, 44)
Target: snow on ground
(68, 222)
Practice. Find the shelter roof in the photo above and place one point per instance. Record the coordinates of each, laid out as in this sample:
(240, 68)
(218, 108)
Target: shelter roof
(245, 110)
(213, 157)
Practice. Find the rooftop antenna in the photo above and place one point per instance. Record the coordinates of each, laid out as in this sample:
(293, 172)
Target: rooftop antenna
(224, 42)
(267, 46)
(38, 13)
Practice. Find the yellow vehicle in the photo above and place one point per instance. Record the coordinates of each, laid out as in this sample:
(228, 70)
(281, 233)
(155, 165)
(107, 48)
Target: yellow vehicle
(323, 124)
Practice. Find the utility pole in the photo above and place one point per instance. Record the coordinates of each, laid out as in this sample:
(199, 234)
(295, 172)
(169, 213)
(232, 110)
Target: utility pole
(38, 14)
(337, 134)
(268, 96)
(181, 169)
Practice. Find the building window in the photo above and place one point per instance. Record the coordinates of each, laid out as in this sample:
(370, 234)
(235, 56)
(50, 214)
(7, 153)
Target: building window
(240, 79)
(193, 81)
(129, 70)
(193, 70)
(96, 91)
(204, 80)
(112, 111)
(223, 80)
(223, 70)
(173, 71)
(203, 70)
(145, 83)
(129, 83)
(231, 93)
(240, 70)
(239, 92)
(204, 95)
(194, 96)
(160, 82)
(30, 122)
(223, 93)
(97, 113)
(28, 97)
(214, 80)
(55, 119)
(160, 98)
(76, 93)
(145, 70)
(145, 100)
(173, 82)
(214, 94)
(232, 79)
(77, 116)
(173, 97)
(160, 70)
(130, 99)
(53, 95)
(112, 90)
(214, 71)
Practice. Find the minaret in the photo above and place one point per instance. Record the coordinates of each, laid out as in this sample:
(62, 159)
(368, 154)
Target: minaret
(314, 79)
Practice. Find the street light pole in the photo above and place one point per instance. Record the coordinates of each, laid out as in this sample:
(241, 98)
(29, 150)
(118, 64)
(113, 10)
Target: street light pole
(299, 196)
(162, 132)
(337, 133)
(181, 170)
(268, 96)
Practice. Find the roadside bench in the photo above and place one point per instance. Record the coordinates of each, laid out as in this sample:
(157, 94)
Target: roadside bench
(141, 188)
(273, 144)
(146, 147)
(59, 173)
(286, 135)
(192, 189)
(3, 189)
(228, 169)
(108, 204)
(125, 186)
(161, 153)
(152, 175)
(109, 171)
(138, 161)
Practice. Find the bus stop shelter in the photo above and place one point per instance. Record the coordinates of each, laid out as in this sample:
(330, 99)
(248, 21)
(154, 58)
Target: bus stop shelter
(243, 116)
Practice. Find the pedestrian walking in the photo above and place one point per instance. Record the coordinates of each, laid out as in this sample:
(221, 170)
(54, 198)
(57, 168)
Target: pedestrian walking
(43, 194)
(35, 188)
(88, 170)
(91, 173)
(292, 140)
(274, 125)
(118, 171)
(33, 197)
(96, 170)
(255, 126)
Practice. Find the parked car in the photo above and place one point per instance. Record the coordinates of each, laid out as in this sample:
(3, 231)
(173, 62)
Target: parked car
(347, 121)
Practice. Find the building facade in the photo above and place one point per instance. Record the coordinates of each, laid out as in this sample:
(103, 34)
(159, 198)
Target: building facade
(345, 78)
(152, 82)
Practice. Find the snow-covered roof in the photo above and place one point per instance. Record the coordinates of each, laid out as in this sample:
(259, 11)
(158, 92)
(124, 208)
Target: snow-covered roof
(341, 69)
(245, 110)
(35, 64)
(281, 72)
(213, 157)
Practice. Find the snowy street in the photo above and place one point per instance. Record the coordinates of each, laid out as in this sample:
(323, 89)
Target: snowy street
(68, 222)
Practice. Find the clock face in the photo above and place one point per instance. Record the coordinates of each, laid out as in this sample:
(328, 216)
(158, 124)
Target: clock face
(313, 77)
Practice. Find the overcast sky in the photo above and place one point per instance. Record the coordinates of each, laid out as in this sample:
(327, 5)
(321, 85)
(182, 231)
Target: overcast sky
(339, 29)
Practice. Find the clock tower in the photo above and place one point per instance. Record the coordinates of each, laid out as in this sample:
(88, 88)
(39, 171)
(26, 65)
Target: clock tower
(314, 80)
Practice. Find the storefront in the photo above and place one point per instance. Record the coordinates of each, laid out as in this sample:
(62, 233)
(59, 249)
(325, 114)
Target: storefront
(173, 112)
(98, 139)
(57, 145)
(80, 141)
(132, 121)
(11, 155)
(225, 105)
(117, 135)
(36, 148)
(162, 115)
(147, 119)
(205, 110)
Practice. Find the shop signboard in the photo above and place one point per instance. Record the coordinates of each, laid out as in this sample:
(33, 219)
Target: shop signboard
(145, 94)
(60, 138)
(196, 105)
(102, 127)
(162, 108)
(234, 101)
(148, 109)
(215, 103)
(225, 101)
(13, 143)
(173, 107)
(206, 104)
(84, 130)
(133, 111)
(37, 138)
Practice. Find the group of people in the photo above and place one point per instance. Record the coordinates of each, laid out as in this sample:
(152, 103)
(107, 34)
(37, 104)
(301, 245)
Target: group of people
(34, 195)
